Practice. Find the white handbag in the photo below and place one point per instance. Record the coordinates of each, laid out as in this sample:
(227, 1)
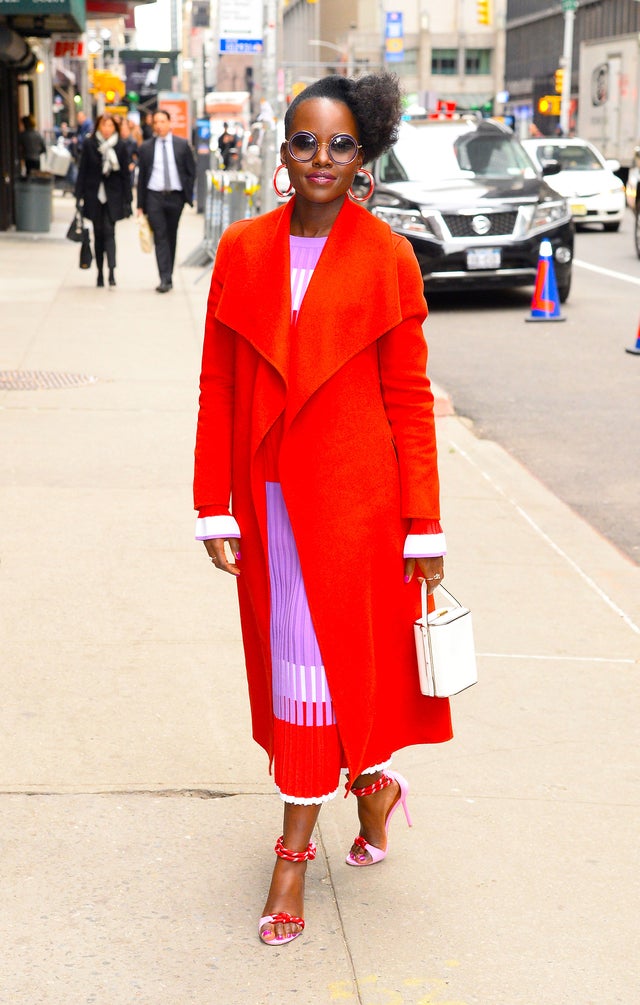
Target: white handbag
(444, 646)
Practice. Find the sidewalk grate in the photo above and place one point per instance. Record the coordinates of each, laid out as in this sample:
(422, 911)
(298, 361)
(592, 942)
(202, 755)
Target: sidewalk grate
(37, 380)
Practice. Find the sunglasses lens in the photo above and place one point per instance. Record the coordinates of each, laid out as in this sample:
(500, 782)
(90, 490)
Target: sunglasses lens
(303, 146)
(343, 149)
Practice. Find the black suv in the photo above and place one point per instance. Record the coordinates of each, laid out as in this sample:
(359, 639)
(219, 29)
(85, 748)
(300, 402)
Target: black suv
(473, 205)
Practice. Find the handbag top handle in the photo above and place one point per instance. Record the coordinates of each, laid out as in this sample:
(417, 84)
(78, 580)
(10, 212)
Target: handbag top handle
(424, 595)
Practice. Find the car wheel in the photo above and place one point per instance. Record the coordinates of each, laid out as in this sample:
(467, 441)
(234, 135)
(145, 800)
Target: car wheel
(636, 230)
(611, 228)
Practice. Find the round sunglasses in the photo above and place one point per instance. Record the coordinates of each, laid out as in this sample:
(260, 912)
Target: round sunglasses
(341, 148)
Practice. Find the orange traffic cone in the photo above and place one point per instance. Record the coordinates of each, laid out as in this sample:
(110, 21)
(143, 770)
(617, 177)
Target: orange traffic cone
(545, 305)
(635, 349)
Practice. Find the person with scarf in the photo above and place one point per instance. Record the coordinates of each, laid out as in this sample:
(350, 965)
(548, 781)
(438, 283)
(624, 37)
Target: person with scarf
(103, 189)
(316, 480)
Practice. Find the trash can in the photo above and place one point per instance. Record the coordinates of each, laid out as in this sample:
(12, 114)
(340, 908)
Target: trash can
(34, 203)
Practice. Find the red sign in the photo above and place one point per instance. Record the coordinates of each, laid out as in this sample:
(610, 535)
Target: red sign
(73, 47)
(178, 107)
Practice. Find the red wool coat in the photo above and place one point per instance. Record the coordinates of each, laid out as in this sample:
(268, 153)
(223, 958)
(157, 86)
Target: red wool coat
(357, 460)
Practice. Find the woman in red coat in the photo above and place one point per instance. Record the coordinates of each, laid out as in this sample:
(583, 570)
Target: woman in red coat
(316, 421)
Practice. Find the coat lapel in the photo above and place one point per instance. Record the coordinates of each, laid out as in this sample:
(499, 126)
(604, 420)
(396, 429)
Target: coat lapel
(351, 300)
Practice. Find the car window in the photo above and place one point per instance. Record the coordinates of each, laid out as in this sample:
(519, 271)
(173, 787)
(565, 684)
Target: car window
(572, 158)
(497, 156)
(431, 153)
(390, 169)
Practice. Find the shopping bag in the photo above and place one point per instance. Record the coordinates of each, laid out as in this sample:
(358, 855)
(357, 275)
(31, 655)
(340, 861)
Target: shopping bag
(145, 234)
(86, 257)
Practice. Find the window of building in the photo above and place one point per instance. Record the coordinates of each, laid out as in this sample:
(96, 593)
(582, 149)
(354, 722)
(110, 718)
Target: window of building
(444, 61)
(477, 61)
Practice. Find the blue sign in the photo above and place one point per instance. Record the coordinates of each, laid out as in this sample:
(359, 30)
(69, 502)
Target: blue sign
(247, 46)
(393, 37)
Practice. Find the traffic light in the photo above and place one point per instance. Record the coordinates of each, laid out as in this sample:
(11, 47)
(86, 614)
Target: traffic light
(107, 83)
(549, 104)
(483, 11)
(558, 79)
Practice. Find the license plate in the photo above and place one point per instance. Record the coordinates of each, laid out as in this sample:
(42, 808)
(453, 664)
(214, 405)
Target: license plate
(578, 209)
(483, 258)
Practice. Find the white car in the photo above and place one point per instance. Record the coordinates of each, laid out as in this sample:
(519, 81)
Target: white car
(586, 179)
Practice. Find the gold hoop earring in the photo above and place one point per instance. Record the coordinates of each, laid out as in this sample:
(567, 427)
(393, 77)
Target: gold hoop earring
(372, 185)
(274, 182)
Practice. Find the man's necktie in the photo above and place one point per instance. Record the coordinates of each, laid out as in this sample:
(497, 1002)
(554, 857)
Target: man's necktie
(165, 165)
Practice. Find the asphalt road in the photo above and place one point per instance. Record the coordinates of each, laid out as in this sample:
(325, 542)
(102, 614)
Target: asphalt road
(561, 397)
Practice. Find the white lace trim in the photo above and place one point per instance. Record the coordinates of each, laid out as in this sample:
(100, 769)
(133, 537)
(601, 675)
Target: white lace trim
(300, 801)
(373, 768)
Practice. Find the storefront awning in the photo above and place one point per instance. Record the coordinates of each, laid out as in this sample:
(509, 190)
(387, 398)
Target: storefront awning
(42, 17)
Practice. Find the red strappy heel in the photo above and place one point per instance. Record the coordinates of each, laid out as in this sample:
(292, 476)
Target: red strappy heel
(377, 854)
(283, 918)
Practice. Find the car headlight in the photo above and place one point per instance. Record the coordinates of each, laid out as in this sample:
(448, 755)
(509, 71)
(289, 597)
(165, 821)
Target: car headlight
(548, 214)
(408, 220)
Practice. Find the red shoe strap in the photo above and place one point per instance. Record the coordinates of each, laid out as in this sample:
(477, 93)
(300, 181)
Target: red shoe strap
(295, 856)
(286, 919)
(368, 790)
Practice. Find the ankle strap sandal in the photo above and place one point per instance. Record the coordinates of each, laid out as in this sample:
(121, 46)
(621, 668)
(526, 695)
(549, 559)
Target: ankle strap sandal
(307, 855)
(362, 853)
(368, 790)
(283, 918)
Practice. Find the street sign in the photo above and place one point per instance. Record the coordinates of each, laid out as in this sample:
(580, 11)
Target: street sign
(394, 37)
(241, 26)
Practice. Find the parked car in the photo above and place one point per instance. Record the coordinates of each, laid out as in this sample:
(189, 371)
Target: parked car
(595, 193)
(473, 205)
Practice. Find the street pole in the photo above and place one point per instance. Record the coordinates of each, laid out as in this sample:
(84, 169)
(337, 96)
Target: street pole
(269, 105)
(569, 10)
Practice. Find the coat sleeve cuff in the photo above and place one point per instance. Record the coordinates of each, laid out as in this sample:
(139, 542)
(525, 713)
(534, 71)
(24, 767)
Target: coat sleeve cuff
(424, 546)
(216, 526)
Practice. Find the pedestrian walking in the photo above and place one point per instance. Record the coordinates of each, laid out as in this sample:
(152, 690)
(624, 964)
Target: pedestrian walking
(30, 144)
(103, 190)
(166, 176)
(227, 144)
(84, 128)
(146, 127)
(316, 420)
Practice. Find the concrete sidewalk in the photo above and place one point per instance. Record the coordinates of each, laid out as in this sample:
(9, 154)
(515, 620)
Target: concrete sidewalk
(137, 814)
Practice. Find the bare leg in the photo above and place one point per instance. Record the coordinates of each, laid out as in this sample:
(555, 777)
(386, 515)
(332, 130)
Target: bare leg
(286, 893)
(373, 811)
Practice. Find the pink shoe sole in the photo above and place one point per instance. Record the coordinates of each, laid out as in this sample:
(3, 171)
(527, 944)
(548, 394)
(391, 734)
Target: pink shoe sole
(377, 855)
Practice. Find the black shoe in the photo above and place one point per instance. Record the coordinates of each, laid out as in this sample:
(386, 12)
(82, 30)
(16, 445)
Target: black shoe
(100, 281)
(112, 278)
(164, 287)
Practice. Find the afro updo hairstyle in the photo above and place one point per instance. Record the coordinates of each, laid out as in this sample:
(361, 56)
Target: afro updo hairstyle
(375, 101)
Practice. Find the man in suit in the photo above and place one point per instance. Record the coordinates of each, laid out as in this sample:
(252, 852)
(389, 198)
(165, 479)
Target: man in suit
(166, 176)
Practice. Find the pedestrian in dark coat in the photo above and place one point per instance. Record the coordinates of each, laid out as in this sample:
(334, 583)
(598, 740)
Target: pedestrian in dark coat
(166, 176)
(30, 144)
(103, 189)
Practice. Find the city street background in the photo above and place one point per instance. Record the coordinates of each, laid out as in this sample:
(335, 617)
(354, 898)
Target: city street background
(138, 815)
